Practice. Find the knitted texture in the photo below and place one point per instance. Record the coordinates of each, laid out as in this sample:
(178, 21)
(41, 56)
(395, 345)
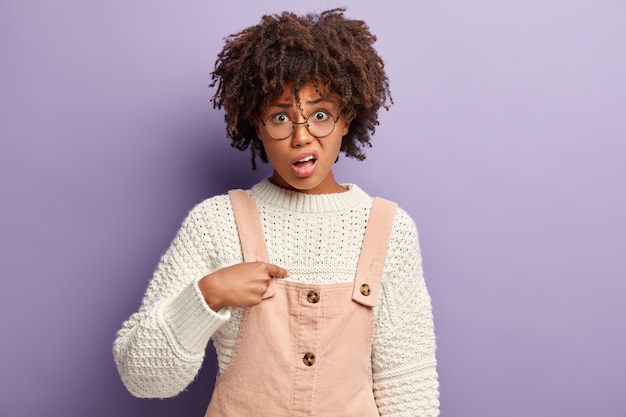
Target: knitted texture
(317, 238)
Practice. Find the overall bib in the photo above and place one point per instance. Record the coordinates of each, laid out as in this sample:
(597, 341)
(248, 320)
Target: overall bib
(305, 350)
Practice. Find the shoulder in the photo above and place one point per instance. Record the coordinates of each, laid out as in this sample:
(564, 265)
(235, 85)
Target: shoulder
(212, 206)
(209, 228)
(403, 224)
(404, 230)
(402, 219)
(209, 214)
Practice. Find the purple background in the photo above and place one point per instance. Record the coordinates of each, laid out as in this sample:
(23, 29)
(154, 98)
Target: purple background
(506, 144)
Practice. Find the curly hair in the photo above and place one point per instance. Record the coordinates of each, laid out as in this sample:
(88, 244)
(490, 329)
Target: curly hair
(327, 48)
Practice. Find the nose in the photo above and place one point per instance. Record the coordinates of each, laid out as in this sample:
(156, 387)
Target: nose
(301, 136)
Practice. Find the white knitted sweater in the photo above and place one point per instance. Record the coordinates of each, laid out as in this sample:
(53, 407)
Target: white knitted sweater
(317, 238)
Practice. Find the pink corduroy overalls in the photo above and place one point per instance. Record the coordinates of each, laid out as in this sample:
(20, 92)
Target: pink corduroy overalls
(305, 350)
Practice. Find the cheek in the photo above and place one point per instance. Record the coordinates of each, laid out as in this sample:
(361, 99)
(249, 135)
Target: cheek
(272, 149)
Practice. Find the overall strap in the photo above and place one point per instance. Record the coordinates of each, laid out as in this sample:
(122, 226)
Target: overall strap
(250, 231)
(374, 252)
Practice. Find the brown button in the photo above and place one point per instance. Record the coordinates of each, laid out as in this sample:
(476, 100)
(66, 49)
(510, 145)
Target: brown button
(365, 290)
(308, 359)
(313, 297)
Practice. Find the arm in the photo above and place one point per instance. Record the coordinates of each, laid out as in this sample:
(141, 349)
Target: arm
(403, 353)
(159, 349)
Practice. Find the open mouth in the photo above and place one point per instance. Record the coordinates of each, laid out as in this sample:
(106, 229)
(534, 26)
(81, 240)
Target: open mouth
(304, 167)
(304, 161)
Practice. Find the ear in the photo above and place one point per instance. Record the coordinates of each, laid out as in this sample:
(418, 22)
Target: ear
(346, 128)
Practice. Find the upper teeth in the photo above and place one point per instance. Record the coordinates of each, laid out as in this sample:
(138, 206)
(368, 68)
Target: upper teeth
(307, 158)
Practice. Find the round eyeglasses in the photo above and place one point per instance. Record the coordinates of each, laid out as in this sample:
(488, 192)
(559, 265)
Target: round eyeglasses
(319, 124)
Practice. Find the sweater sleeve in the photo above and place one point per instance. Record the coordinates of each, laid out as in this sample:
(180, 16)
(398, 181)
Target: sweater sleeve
(403, 353)
(160, 349)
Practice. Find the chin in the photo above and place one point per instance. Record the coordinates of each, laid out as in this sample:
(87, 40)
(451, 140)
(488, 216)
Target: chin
(303, 185)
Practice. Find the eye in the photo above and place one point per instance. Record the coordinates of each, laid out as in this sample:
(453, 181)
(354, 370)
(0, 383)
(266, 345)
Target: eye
(319, 116)
(279, 118)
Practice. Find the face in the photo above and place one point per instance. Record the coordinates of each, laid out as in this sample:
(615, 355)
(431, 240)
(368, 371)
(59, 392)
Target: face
(302, 162)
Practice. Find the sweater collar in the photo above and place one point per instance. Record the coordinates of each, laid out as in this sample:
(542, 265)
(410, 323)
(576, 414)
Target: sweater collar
(265, 192)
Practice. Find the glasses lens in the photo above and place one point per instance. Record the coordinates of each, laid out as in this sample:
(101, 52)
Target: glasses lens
(320, 124)
(279, 127)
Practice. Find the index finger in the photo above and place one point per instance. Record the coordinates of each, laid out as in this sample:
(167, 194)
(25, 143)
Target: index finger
(276, 271)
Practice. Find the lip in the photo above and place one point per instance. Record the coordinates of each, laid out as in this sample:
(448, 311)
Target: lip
(305, 155)
(306, 170)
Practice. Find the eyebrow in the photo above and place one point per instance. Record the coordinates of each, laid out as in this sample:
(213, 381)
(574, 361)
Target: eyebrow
(308, 103)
